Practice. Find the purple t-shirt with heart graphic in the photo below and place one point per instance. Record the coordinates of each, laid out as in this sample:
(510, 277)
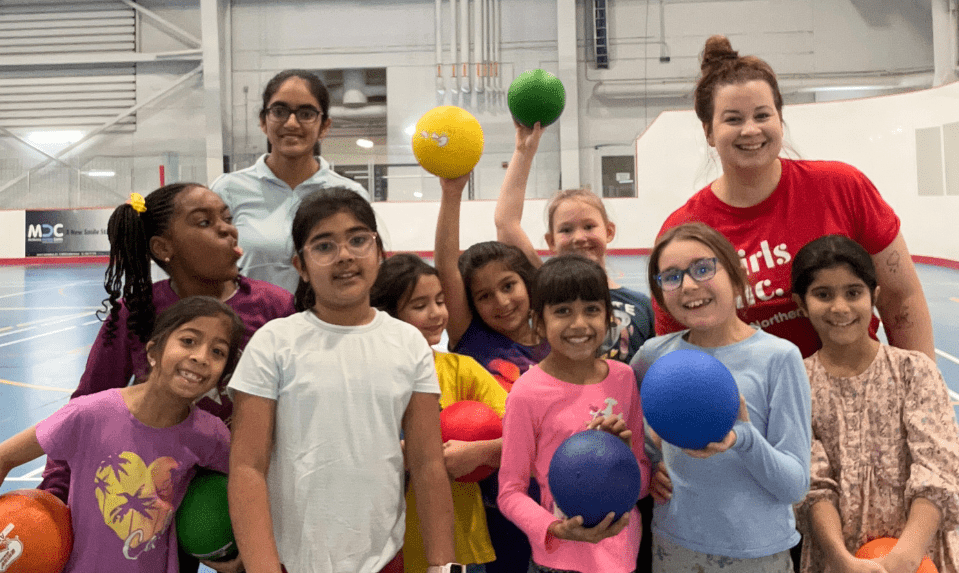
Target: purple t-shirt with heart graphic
(127, 479)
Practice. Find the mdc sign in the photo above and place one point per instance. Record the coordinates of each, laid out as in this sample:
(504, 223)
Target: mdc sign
(80, 232)
(45, 233)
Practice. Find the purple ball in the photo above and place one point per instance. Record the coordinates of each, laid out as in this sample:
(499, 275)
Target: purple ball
(593, 473)
(689, 398)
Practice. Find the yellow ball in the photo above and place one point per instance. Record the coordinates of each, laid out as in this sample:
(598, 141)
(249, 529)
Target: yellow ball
(448, 141)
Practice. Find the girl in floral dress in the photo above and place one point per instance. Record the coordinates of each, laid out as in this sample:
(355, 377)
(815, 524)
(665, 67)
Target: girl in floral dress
(885, 450)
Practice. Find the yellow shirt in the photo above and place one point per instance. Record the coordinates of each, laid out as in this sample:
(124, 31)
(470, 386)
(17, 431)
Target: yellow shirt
(461, 378)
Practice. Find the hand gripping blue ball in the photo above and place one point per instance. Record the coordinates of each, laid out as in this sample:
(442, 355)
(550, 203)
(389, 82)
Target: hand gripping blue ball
(593, 473)
(689, 398)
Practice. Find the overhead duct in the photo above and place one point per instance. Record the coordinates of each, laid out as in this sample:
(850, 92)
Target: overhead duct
(438, 26)
(788, 84)
(366, 112)
(354, 83)
(454, 56)
(464, 32)
(478, 42)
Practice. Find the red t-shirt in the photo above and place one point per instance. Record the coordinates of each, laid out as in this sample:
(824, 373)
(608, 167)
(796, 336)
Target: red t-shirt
(813, 198)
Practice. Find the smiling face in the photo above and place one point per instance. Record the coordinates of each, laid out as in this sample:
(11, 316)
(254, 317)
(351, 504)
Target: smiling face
(839, 305)
(746, 129)
(575, 329)
(291, 138)
(704, 306)
(578, 227)
(342, 288)
(191, 360)
(501, 300)
(426, 308)
(201, 242)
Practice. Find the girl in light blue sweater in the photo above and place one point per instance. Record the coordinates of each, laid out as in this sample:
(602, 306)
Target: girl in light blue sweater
(727, 507)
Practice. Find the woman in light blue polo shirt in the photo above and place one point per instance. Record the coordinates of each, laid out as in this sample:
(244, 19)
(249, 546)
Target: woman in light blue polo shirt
(264, 197)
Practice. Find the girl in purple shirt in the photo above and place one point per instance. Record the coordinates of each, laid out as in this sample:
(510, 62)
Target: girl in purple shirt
(188, 231)
(141, 444)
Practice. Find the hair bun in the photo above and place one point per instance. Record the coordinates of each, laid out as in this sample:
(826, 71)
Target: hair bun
(717, 50)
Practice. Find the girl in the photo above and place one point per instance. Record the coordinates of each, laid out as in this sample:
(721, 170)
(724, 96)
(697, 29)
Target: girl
(316, 469)
(295, 117)
(487, 295)
(769, 207)
(576, 223)
(409, 289)
(885, 452)
(188, 231)
(728, 511)
(140, 445)
(567, 392)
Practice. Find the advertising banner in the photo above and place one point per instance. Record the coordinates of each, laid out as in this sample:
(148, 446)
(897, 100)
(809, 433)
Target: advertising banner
(67, 233)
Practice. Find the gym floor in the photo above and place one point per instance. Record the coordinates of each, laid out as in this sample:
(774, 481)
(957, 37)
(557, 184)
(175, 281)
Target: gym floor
(48, 321)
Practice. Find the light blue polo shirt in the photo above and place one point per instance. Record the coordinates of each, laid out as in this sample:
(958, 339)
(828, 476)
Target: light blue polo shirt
(263, 207)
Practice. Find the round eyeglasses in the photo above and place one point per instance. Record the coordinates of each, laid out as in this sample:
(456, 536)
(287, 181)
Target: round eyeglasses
(327, 251)
(281, 113)
(700, 271)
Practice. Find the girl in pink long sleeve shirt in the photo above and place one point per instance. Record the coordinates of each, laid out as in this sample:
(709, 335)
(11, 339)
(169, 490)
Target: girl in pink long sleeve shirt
(568, 392)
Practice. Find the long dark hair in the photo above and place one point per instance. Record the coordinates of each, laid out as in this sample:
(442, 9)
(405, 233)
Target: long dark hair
(128, 274)
(318, 206)
(314, 84)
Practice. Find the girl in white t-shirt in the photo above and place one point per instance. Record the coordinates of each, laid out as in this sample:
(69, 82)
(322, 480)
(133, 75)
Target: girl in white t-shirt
(321, 398)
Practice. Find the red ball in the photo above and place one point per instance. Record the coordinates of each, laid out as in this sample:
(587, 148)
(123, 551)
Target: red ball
(36, 534)
(471, 421)
(882, 546)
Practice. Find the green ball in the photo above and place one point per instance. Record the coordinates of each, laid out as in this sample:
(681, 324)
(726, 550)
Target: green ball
(536, 95)
(203, 519)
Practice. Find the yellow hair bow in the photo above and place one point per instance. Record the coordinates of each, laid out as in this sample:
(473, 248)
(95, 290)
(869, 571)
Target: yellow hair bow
(137, 202)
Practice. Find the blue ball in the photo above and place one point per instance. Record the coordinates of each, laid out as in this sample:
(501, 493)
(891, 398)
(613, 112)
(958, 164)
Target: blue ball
(689, 398)
(593, 473)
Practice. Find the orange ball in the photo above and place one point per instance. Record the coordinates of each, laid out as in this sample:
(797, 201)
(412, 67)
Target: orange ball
(448, 141)
(882, 546)
(471, 421)
(36, 535)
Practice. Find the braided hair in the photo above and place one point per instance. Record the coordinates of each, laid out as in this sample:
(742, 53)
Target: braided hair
(128, 275)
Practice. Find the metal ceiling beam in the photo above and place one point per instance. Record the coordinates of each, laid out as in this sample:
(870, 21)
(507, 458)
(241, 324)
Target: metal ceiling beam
(79, 59)
(182, 80)
(167, 26)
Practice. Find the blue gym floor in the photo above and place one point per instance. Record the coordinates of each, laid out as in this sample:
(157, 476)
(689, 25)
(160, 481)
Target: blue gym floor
(48, 322)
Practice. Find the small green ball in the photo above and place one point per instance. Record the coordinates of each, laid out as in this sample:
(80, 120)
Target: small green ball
(536, 95)
(203, 518)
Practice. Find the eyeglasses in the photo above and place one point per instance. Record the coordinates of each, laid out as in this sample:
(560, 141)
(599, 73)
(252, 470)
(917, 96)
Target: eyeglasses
(327, 251)
(281, 113)
(700, 271)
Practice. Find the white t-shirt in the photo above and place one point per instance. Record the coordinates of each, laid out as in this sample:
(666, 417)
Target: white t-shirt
(336, 470)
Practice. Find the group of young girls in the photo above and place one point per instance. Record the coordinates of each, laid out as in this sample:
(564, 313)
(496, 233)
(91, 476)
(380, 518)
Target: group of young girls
(328, 423)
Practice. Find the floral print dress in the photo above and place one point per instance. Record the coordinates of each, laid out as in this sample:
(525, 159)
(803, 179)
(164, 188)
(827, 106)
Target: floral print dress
(881, 439)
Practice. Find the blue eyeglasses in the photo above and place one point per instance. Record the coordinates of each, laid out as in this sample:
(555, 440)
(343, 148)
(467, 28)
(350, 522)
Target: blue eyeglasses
(700, 271)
